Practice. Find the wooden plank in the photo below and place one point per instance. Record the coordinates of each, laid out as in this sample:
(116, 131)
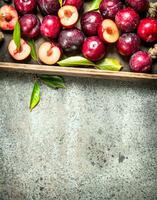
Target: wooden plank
(71, 71)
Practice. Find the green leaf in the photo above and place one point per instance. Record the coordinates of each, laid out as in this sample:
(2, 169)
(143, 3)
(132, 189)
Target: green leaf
(17, 35)
(105, 64)
(33, 50)
(35, 97)
(109, 64)
(53, 81)
(75, 61)
(61, 3)
(94, 5)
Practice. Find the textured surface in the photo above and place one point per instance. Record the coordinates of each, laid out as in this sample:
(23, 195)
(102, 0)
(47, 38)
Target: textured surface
(95, 140)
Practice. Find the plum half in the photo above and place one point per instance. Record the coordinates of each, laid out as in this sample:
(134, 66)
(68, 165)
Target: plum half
(8, 17)
(108, 31)
(68, 16)
(49, 53)
(20, 54)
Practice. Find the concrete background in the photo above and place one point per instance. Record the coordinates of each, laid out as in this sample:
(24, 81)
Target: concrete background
(95, 140)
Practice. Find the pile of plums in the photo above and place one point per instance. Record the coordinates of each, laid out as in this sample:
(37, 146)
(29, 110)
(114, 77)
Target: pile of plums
(116, 21)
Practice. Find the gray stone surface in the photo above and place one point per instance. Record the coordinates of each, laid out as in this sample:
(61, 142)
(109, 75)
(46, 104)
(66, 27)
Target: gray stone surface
(95, 140)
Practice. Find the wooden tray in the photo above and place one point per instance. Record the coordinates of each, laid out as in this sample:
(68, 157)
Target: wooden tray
(7, 63)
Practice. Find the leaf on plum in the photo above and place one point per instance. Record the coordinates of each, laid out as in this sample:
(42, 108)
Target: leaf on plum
(94, 5)
(61, 2)
(17, 35)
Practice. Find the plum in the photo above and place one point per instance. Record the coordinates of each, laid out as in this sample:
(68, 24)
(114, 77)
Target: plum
(71, 41)
(93, 48)
(127, 19)
(128, 44)
(30, 25)
(77, 3)
(138, 5)
(90, 22)
(50, 26)
(109, 8)
(48, 7)
(141, 61)
(147, 30)
(25, 6)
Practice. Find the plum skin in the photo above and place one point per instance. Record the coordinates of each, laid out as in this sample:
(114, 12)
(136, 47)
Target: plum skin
(71, 41)
(109, 8)
(138, 5)
(128, 44)
(77, 3)
(90, 22)
(141, 61)
(147, 30)
(48, 7)
(24, 7)
(30, 25)
(50, 26)
(93, 48)
(127, 20)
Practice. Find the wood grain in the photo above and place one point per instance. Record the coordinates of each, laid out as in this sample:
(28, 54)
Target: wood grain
(70, 71)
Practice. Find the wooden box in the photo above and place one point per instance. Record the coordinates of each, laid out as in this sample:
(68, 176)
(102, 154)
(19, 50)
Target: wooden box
(29, 66)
